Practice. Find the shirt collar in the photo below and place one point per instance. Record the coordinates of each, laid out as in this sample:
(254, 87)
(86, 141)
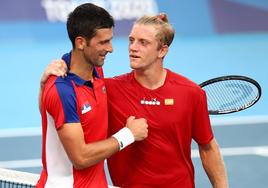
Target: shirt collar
(77, 80)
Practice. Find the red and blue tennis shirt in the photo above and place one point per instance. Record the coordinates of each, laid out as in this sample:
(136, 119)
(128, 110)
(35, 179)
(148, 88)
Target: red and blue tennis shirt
(72, 100)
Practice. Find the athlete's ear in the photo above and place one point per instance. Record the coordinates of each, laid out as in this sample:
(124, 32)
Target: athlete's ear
(163, 51)
(80, 43)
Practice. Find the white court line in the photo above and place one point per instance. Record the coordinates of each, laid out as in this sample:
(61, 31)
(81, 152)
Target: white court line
(238, 151)
(243, 120)
(30, 163)
(235, 151)
(20, 132)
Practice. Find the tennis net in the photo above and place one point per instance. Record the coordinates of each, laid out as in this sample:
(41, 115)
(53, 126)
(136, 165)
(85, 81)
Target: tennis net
(17, 179)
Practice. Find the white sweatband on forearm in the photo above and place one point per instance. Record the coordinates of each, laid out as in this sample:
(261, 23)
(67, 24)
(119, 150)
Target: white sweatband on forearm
(124, 137)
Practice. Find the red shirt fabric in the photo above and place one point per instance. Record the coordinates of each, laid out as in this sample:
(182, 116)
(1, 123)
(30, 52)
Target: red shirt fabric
(72, 100)
(176, 113)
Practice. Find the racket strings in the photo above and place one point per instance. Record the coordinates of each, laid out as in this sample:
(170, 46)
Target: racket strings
(231, 95)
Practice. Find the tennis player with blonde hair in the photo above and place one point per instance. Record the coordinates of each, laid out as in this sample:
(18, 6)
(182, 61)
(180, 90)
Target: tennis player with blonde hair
(176, 112)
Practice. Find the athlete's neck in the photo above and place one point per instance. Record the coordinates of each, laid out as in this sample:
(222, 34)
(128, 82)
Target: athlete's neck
(80, 67)
(151, 78)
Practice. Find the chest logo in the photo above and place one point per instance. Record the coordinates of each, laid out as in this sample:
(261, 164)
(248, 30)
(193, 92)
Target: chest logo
(169, 101)
(153, 101)
(85, 108)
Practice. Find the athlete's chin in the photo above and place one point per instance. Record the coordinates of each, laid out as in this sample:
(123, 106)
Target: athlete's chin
(134, 65)
(100, 63)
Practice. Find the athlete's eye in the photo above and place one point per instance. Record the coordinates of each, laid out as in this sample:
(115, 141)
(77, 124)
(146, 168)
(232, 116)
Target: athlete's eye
(130, 40)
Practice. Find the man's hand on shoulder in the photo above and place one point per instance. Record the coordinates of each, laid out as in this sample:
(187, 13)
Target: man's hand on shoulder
(56, 67)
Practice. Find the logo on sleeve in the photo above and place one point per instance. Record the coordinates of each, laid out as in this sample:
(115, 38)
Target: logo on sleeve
(86, 108)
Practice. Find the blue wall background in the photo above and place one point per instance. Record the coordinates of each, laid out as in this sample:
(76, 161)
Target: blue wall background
(213, 38)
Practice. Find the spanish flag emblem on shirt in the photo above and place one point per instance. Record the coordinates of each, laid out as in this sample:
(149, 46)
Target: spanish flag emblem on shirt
(169, 101)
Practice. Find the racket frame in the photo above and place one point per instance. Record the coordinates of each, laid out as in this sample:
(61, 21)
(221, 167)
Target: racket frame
(233, 77)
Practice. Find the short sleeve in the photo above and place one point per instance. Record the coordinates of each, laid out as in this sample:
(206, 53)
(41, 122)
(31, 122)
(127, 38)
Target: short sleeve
(61, 103)
(202, 131)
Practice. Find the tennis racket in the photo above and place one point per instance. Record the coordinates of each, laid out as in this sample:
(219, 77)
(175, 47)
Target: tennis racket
(228, 94)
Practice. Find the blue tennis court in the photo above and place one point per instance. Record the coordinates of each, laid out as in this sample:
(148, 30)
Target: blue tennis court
(198, 53)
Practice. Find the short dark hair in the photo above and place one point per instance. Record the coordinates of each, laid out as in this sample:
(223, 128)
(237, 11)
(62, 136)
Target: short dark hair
(86, 19)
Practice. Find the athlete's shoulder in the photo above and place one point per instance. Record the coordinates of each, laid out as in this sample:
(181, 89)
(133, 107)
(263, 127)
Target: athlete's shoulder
(50, 83)
(181, 80)
(61, 85)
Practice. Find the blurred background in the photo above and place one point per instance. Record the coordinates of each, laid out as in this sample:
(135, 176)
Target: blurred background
(213, 38)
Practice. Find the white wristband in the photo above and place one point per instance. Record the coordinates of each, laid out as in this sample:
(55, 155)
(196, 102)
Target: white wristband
(124, 137)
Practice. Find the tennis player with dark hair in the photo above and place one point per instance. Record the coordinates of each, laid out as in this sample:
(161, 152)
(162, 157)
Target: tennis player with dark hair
(74, 109)
(176, 112)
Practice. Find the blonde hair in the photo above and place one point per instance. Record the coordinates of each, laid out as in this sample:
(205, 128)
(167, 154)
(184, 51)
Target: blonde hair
(165, 32)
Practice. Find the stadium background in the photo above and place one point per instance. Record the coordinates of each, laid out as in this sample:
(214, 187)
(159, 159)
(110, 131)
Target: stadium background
(213, 38)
